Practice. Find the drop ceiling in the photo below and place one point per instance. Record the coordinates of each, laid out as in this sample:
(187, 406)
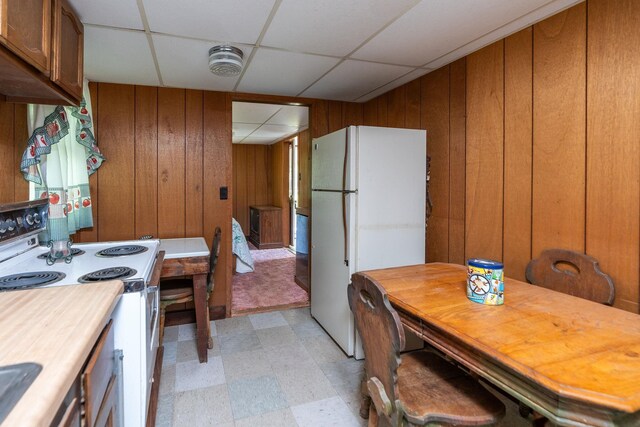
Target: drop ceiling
(349, 50)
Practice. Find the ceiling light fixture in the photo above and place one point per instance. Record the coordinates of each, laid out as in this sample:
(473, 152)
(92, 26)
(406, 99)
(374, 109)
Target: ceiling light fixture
(225, 60)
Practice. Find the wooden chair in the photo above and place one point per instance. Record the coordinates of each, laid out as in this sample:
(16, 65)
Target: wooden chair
(571, 273)
(180, 290)
(414, 388)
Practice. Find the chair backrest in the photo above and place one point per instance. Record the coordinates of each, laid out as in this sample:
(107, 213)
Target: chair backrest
(213, 257)
(381, 332)
(572, 273)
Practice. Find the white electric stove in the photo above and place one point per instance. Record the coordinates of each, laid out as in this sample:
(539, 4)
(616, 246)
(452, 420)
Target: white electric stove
(23, 265)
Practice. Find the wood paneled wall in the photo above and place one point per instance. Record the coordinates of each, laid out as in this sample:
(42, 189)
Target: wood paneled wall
(13, 138)
(252, 180)
(280, 190)
(304, 170)
(534, 144)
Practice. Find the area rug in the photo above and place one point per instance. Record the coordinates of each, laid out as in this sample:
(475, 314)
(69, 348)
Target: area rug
(270, 286)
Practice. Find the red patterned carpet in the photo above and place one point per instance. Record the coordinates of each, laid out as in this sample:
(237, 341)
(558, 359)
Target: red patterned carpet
(270, 286)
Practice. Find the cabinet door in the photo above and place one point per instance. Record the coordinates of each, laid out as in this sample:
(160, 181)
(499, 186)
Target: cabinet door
(25, 28)
(67, 49)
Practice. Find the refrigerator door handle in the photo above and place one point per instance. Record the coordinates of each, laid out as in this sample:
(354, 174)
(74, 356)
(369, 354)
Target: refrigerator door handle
(344, 198)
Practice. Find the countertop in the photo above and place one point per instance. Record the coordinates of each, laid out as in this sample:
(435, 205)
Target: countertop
(184, 248)
(57, 328)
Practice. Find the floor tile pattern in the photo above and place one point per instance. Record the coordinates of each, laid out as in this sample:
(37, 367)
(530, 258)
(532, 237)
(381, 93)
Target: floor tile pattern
(268, 369)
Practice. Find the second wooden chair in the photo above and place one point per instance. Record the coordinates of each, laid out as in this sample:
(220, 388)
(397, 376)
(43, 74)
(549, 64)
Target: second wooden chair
(571, 273)
(416, 388)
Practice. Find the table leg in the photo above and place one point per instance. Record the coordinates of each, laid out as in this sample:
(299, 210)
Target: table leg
(200, 302)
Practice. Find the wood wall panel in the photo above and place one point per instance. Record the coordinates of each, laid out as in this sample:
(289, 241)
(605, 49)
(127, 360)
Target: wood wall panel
(370, 113)
(304, 169)
(484, 153)
(335, 118)
(518, 131)
(263, 187)
(435, 118)
(146, 161)
(194, 163)
(217, 173)
(7, 157)
(171, 163)
(116, 176)
(559, 68)
(20, 137)
(613, 147)
(396, 107)
(457, 159)
(413, 104)
(353, 114)
(382, 111)
(279, 155)
(240, 192)
(253, 178)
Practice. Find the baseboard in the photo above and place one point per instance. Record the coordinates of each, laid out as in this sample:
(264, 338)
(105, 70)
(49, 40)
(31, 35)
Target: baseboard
(303, 285)
(184, 317)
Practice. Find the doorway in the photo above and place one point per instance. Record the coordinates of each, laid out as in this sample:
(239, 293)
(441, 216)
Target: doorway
(266, 177)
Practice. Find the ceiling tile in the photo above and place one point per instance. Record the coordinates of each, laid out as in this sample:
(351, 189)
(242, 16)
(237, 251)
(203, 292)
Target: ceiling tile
(233, 21)
(244, 129)
(265, 73)
(184, 63)
(258, 140)
(291, 115)
(118, 56)
(353, 79)
(436, 27)
(248, 112)
(503, 31)
(274, 131)
(394, 84)
(112, 13)
(331, 27)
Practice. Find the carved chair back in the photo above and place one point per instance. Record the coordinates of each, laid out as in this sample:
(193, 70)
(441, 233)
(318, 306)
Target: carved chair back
(381, 332)
(572, 273)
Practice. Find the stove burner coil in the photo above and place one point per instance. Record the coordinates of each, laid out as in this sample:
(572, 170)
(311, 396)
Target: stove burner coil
(123, 250)
(111, 273)
(29, 280)
(74, 253)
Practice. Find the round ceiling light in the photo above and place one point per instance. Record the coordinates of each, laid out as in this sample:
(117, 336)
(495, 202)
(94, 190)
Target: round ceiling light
(225, 60)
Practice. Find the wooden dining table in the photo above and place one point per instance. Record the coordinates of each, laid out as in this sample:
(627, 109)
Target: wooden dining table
(574, 361)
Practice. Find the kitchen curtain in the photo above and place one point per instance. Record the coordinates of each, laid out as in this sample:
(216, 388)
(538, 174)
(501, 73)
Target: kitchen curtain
(61, 154)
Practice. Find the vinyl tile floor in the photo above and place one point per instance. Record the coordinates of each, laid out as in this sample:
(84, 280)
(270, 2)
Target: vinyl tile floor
(269, 369)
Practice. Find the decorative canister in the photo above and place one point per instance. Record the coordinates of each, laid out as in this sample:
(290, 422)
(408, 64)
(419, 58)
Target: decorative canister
(485, 281)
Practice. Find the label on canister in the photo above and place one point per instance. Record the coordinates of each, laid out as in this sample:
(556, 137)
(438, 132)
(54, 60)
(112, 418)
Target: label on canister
(485, 281)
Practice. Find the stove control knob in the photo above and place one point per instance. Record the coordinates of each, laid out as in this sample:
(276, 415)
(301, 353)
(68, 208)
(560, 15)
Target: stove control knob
(3, 227)
(11, 225)
(29, 219)
(36, 218)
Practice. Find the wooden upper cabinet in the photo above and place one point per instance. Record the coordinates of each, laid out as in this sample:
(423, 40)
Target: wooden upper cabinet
(25, 28)
(67, 49)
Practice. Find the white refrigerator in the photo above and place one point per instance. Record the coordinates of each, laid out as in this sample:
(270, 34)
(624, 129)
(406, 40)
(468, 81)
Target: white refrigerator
(368, 188)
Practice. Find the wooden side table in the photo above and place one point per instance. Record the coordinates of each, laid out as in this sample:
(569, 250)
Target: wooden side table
(190, 257)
